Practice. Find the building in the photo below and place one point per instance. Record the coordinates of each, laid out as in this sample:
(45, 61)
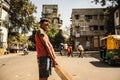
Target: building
(51, 12)
(88, 26)
(117, 20)
(4, 20)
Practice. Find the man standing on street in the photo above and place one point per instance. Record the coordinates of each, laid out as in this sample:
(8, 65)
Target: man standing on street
(80, 49)
(45, 52)
(70, 51)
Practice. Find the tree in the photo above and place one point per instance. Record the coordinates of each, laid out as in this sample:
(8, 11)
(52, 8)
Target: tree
(21, 14)
(109, 13)
(21, 17)
(52, 33)
(32, 37)
(104, 2)
(59, 38)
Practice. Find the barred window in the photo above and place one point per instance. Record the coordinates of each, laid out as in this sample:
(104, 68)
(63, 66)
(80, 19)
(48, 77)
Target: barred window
(101, 27)
(77, 16)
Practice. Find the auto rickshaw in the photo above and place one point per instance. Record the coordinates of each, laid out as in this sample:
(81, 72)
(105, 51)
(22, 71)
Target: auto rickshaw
(110, 49)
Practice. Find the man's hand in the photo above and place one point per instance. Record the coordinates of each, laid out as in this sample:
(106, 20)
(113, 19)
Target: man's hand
(54, 63)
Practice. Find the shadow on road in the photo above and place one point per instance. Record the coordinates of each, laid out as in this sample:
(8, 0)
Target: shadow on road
(103, 64)
(95, 55)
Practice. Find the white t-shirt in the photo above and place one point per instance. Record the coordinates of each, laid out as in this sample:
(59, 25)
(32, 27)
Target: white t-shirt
(65, 46)
(80, 47)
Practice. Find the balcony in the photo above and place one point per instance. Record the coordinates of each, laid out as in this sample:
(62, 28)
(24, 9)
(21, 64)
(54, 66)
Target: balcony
(86, 33)
(89, 33)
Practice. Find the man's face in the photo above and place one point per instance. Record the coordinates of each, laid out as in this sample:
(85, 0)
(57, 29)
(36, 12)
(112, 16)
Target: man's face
(45, 25)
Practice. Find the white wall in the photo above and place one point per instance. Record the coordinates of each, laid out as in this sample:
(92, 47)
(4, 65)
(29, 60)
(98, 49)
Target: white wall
(4, 15)
(4, 28)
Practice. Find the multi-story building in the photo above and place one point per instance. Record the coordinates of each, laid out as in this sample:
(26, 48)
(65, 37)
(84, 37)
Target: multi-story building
(117, 21)
(51, 12)
(4, 20)
(88, 26)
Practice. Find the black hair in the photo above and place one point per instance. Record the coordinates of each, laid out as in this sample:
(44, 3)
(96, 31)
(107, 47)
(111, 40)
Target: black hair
(44, 20)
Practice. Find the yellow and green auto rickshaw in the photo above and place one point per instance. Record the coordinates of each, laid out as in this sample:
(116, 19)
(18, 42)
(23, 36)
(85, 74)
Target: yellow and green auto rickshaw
(110, 49)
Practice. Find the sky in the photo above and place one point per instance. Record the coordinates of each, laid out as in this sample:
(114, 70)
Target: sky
(64, 7)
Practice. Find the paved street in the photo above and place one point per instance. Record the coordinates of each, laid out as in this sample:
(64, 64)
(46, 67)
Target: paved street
(20, 67)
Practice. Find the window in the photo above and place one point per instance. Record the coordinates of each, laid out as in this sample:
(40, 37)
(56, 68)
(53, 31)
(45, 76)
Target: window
(95, 16)
(88, 16)
(76, 16)
(95, 27)
(101, 16)
(77, 26)
(81, 28)
(91, 28)
(77, 34)
(89, 38)
(101, 27)
(54, 10)
(47, 10)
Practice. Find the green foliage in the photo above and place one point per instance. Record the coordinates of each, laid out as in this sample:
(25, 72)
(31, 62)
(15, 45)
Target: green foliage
(13, 38)
(59, 38)
(32, 37)
(104, 2)
(21, 14)
(21, 17)
(109, 13)
(23, 39)
(55, 36)
(52, 32)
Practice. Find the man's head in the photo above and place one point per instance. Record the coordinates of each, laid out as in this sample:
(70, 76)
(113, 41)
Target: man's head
(44, 20)
(44, 23)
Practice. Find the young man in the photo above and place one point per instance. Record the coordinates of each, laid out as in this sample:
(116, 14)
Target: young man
(45, 52)
(70, 51)
(80, 49)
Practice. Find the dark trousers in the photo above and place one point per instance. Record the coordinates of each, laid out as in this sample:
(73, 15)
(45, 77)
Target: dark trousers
(70, 53)
(80, 54)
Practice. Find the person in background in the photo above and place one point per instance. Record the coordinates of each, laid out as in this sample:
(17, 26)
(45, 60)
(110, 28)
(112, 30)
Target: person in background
(65, 49)
(61, 48)
(45, 52)
(81, 50)
(25, 51)
(70, 51)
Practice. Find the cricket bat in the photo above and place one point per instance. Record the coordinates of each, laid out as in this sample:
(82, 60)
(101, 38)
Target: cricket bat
(64, 75)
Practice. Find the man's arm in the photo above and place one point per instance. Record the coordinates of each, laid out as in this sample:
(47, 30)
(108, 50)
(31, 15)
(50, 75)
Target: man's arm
(48, 47)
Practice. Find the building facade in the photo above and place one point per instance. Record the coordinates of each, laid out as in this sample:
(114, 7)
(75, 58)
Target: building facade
(51, 12)
(117, 21)
(4, 21)
(88, 26)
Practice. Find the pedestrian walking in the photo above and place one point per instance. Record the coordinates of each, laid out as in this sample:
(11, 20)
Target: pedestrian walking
(45, 52)
(70, 51)
(81, 50)
(65, 49)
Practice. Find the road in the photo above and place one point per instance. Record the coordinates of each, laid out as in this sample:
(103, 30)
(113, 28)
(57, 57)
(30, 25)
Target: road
(20, 67)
